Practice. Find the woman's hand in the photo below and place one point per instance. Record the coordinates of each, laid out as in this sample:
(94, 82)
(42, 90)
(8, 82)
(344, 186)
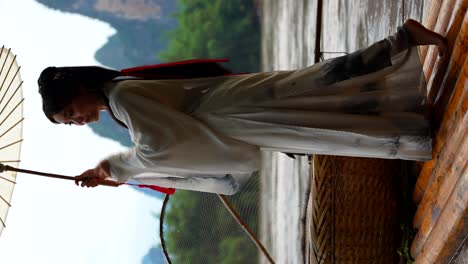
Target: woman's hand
(94, 177)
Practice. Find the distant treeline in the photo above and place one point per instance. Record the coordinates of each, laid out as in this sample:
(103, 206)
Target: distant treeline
(216, 29)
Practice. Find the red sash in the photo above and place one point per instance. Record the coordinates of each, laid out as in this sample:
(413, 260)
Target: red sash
(179, 70)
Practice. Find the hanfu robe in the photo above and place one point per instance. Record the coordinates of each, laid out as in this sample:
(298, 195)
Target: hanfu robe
(206, 134)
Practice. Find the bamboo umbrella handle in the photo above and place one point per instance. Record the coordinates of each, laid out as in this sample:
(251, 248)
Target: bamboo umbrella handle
(56, 176)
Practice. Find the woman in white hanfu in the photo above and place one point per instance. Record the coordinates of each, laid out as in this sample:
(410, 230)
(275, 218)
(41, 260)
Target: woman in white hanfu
(206, 133)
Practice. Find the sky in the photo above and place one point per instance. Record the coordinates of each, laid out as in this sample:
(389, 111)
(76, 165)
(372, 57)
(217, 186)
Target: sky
(53, 221)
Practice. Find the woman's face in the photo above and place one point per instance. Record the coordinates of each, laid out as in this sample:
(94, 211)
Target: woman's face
(82, 110)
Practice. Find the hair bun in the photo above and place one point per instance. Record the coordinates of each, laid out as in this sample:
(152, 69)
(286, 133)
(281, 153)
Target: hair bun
(47, 75)
(51, 74)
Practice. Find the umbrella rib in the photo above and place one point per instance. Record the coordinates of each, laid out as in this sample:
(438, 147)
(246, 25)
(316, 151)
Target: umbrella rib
(8, 180)
(11, 82)
(9, 161)
(8, 76)
(1, 52)
(3, 65)
(8, 71)
(13, 126)
(1, 197)
(11, 144)
(9, 102)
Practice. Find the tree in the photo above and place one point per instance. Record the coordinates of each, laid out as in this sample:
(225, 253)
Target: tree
(216, 29)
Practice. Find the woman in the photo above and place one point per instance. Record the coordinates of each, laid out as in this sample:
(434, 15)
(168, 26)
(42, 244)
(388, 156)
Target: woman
(206, 134)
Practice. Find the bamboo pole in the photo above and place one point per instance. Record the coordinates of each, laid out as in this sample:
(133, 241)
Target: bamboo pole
(440, 27)
(460, 51)
(446, 144)
(450, 228)
(432, 213)
(456, 32)
(425, 177)
(430, 20)
(55, 176)
(318, 34)
(245, 227)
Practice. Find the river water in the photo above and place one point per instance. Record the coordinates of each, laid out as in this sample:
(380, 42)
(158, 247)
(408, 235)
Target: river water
(288, 42)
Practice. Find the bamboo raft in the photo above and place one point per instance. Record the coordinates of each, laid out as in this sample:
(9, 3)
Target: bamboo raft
(354, 202)
(441, 191)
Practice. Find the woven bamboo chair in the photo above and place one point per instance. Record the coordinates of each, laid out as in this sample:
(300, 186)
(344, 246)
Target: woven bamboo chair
(355, 212)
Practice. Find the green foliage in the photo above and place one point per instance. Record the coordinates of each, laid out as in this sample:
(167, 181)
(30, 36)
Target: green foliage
(236, 250)
(198, 228)
(185, 226)
(216, 29)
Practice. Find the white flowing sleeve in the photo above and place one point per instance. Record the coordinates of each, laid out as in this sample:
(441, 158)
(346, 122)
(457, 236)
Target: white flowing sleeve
(173, 149)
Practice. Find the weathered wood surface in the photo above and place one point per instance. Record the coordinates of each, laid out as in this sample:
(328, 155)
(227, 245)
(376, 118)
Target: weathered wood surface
(461, 256)
(431, 215)
(434, 66)
(441, 191)
(451, 227)
(454, 127)
(441, 28)
(443, 132)
(455, 65)
(429, 21)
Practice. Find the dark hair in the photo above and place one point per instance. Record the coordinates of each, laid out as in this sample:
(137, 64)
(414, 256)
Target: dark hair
(58, 86)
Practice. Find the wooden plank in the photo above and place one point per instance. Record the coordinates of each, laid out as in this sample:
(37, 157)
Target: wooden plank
(451, 227)
(434, 74)
(445, 132)
(429, 22)
(443, 19)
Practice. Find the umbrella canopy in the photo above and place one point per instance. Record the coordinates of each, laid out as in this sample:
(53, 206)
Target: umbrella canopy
(11, 126)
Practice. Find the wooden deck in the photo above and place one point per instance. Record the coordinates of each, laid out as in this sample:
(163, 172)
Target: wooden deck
(441, 191)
